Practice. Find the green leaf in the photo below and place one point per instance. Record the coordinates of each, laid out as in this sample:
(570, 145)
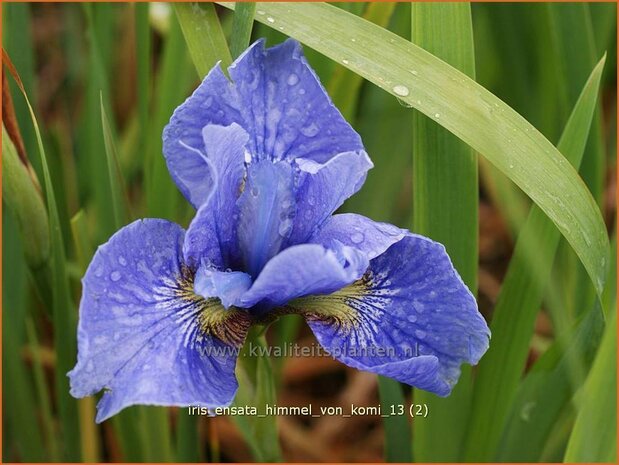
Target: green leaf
(163, 199)
(462, 106)
(119, 200)
(445, 199)
(64, 316)
(241, 27)
(344, 87)
(520, 298)
(544, 394)
(21, 414)
(594, 437)
(397, 427)
(257, 388)
(23, 198)
(204, 36)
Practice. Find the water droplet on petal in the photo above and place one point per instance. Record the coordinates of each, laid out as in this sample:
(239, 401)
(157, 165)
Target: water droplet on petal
(115, 276)
(310, 131)
(260, 12)
(285, 227)
(345, 61)
(420, 334)
(437, 115)
(255, 191)
(293, 79)
(122, 260)
(301, 91)
(357, 237)
(401, 90)
(247, 156)
(270, 19)
(414, 72)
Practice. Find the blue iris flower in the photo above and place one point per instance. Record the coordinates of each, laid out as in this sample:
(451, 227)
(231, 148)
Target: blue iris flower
(266, 159)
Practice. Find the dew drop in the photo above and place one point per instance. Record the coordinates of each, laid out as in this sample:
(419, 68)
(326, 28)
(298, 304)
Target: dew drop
(357, 237)
(414, 72)
(353, 40)
(412, 318)
(260, 12)
(122, 260)
(247, 156)
(270, 19)
(293, 79)
(310, 131)
(285, 227)
(401, 90)
(115, 276)
(345, 61)
(99, 272)
(254, 191)
(420, 334)
(301, 91)
(437, 115)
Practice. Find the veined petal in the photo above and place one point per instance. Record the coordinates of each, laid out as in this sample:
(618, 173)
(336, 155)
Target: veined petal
(227, 286)
(214, 102)
(267, 208)
(323, 188)
(410, 318)
(286, 109)
(144, 336)
(303, 270)
(212, 234)
(359, 232)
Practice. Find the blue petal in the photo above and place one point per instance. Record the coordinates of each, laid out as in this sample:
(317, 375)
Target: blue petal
(359, 232)
(213, 102)
(323, 188)
(143, 335)
(212, 235)
(279, 101)
(285, 107)
(227, 286)
(410, 318)
(302, 270)
(267, 208)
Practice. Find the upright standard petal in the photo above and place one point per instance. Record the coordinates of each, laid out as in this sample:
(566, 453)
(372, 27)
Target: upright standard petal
(302, 270)
(144, 336)
(323, 188)
(285, 107)
(212, 234)
(267, 208)
(214, 102)
(410, 318)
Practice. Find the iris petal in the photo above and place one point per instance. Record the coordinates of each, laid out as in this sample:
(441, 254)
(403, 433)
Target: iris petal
(267, 208)
(303, 270)
(410, 318)
(144, 336)
(227, 286)
(359, 232)
(212, 235)
(323, 188)
(276, 98)
(285, 107)
(213, 102)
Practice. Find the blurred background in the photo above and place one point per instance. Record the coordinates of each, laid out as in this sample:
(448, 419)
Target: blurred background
(105, 78)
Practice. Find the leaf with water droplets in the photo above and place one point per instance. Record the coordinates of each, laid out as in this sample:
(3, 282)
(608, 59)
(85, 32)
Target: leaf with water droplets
(463, 108)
